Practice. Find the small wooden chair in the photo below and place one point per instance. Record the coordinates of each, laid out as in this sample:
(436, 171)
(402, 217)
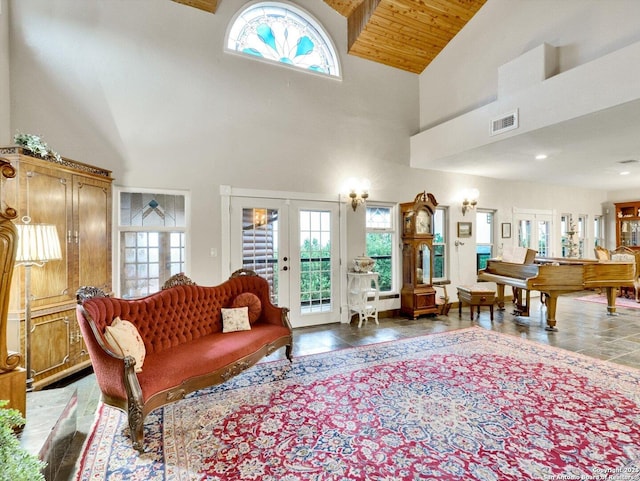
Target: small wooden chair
(626, 254)
(602, 254)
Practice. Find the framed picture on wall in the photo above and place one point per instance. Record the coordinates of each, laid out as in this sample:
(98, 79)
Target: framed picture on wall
(464, 229)
(506, 230)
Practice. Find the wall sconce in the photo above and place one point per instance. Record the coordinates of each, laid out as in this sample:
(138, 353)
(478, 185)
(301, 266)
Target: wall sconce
(358, 191)
(470, 200)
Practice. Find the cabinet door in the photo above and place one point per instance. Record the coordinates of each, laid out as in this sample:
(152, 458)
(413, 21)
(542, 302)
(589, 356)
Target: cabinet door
(50, 344)
(92, 232)
(46, 198)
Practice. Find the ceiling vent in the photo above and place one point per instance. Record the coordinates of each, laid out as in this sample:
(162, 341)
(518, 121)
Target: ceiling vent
(505, 123)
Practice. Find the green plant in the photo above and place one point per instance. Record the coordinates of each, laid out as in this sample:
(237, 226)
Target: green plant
(17, 464)
(35, 145)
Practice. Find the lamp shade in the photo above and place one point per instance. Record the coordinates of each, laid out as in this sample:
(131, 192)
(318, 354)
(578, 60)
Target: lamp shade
(37, 243)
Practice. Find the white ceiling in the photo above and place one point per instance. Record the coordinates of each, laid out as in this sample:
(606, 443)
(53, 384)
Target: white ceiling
(583, 152)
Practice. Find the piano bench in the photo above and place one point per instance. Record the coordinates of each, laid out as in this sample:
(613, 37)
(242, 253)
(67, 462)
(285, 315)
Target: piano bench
(476, 295)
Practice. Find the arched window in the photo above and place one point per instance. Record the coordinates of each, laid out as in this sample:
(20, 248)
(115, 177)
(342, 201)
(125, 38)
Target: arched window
(280, 32)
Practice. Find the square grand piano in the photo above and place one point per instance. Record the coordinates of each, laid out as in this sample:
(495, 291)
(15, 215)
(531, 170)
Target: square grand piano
(556, 276)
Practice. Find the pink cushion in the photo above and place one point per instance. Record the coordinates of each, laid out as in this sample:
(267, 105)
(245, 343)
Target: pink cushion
(252, 302)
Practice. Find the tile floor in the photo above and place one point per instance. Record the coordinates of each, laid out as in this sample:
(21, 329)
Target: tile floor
(582, 327)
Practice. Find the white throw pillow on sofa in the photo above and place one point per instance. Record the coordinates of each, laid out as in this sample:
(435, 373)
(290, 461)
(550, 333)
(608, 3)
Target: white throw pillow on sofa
(125, 340)
(235, 319)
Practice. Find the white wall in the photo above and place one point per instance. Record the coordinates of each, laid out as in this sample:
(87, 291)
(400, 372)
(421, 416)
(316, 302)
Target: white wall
(144, 88)
(465, 74)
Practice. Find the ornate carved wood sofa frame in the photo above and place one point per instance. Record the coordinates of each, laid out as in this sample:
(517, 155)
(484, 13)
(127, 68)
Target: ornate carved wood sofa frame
(186, 350)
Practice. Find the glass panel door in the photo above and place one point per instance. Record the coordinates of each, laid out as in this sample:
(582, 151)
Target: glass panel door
(315, 285)
(258, 242)
(260, 234)
(543, 238)
(534, 232)
(294, 245)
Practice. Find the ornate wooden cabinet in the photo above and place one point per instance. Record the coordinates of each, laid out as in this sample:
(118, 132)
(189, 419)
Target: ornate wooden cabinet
(417, 295)
(628, 224)
(75, 197)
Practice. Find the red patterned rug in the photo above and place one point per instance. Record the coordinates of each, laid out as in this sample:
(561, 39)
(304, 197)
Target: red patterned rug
(602, 299)
(462, 405)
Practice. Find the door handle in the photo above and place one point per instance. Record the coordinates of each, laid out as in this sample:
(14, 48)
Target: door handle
(285, 268)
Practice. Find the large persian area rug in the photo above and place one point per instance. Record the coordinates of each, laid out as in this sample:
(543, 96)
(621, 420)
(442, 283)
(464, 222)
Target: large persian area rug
(469, 404)
(602, 299)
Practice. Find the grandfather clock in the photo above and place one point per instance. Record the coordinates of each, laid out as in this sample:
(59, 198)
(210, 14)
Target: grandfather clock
(418, 296)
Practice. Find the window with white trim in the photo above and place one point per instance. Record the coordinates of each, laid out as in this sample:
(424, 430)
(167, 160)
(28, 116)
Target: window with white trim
(582, 234)
(484, 237)
(151, 240)
(284, 34)
(598, 231)
(440, 244)
(381, 237)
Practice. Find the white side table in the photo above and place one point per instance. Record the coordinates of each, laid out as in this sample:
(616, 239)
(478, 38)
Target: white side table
(363, 295)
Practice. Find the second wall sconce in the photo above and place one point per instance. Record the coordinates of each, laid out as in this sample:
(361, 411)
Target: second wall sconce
(358, 191)
(470, 199)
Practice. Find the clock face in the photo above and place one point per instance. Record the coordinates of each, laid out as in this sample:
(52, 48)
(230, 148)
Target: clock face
(423, 222)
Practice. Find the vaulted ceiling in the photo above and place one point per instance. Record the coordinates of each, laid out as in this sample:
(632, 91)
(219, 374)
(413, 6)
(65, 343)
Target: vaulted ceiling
(405, 34)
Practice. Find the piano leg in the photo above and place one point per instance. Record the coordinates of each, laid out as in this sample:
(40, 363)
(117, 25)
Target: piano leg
(552, 303)
(522, 308)
(500, 296)
(611, 301)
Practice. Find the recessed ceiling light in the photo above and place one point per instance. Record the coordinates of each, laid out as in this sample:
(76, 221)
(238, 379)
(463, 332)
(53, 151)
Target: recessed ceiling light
(625, 172)
(541, 156)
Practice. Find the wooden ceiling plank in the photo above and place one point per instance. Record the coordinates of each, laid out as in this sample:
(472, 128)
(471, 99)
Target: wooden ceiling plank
(448, 23)
(408, 34)
(373, 42)
(343, 7)
(424, 42)
(405, 34)
(424, 14)
(359, 18)
(206, 5)
(464, 9)
(410, 28)
(390, 60)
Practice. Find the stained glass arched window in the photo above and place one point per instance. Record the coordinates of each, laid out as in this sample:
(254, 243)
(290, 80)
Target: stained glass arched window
(280, 32)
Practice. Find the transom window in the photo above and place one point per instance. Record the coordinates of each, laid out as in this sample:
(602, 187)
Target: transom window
(279, 32)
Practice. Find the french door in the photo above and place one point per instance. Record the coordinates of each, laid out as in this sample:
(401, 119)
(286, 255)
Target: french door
(294, 244)
(534, 231)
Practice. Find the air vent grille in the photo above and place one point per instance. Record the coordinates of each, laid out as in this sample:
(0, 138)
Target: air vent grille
(505, 123)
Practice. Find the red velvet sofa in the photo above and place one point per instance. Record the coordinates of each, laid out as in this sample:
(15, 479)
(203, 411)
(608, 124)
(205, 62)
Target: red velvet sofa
(186, 350)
